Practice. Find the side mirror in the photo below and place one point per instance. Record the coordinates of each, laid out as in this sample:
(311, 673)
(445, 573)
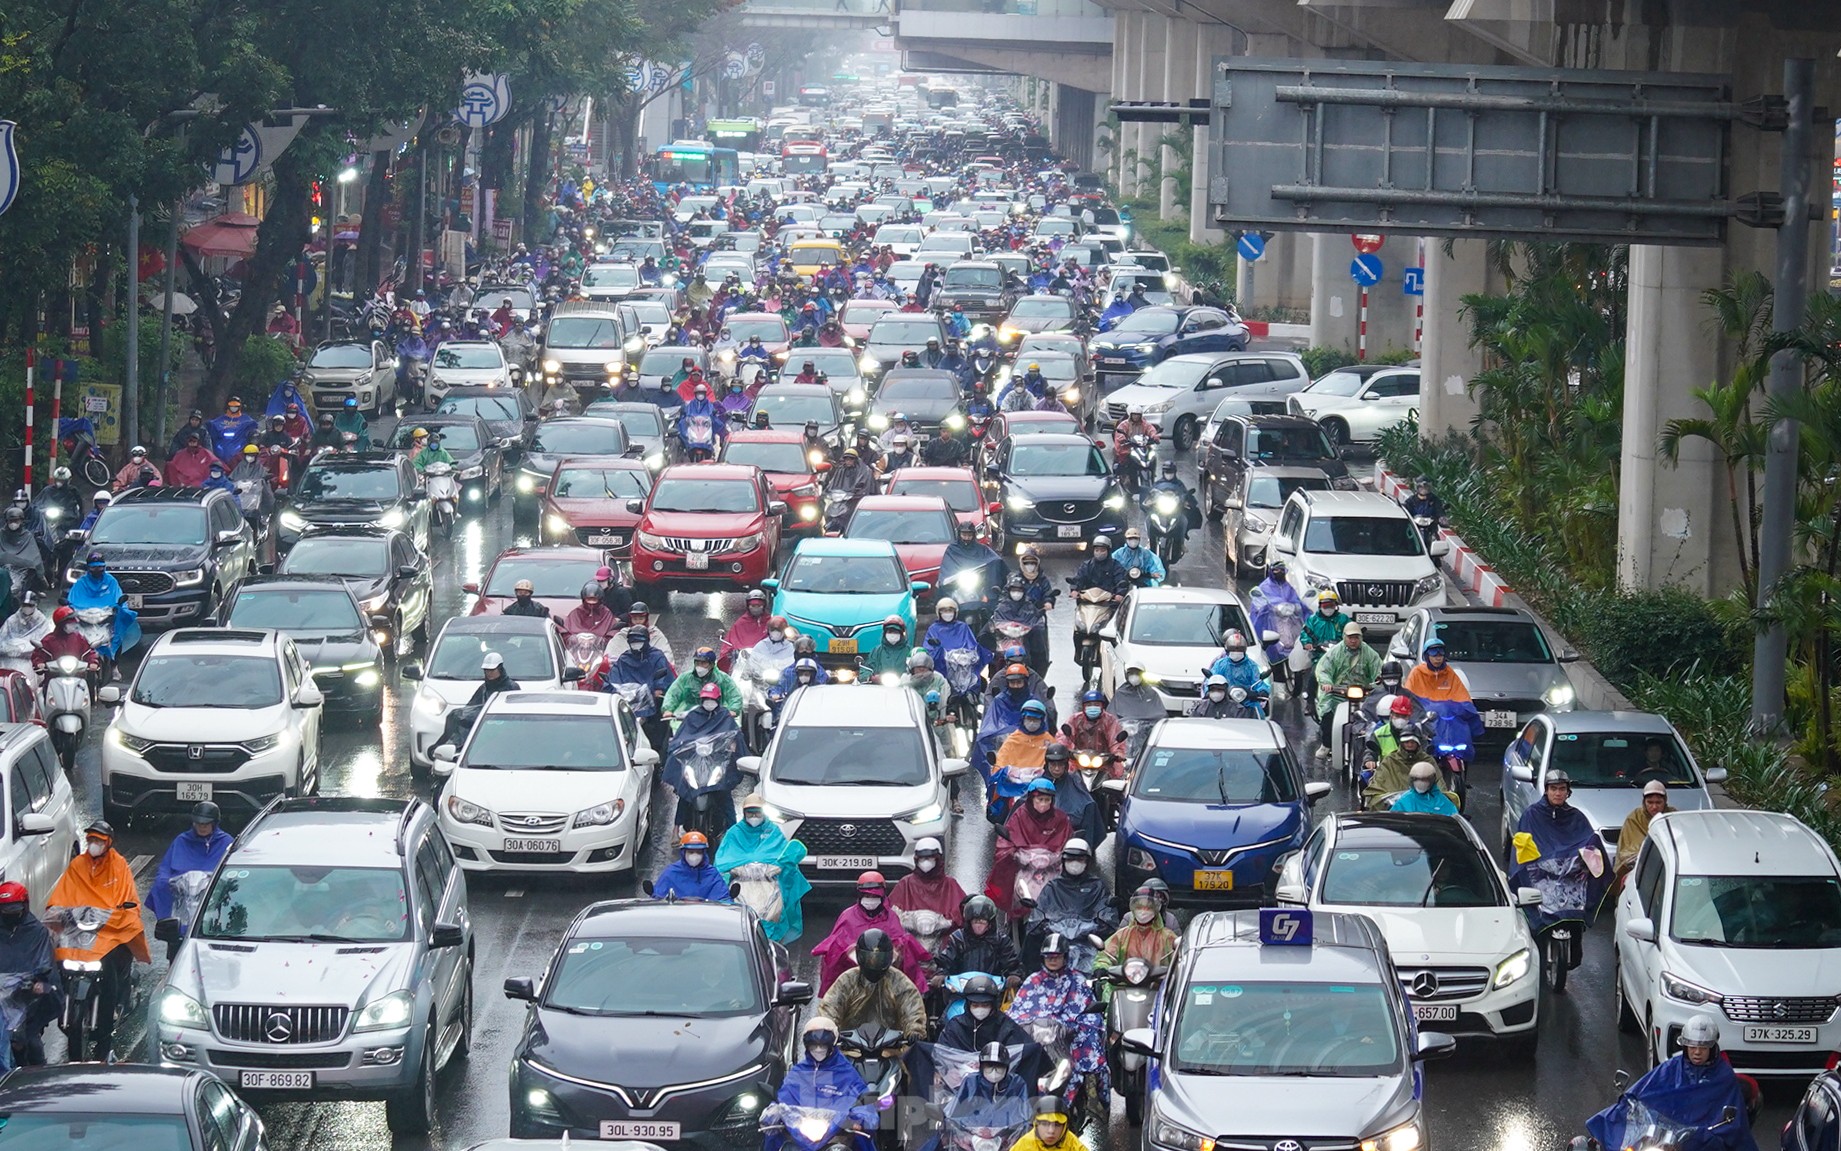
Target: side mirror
(1138, 1041)
(110, 694)
(447, 935)
(1439, 549)
(793, 993)
(229, 535)
(952, 765)
(445, 753)
(1568, 655)
(919, 586)
(1109, 633)
(1292, 893)
(308, 696)
(645, 757)
(1283, 546)
(1397, 650)
(636, 507)
(1521, 773)
(521, 988)
(1315, 791)
(409, 671)
(771, 583)
(1366, 396)
(407, 571)
(1268, 636)
(1233, 502)
(1527, 897)
(470, 588)
(1641, 930)
(776, 507)
(749, 765)
(1434, 1045)
(1717, 775)
(573, 674)
(35, 823)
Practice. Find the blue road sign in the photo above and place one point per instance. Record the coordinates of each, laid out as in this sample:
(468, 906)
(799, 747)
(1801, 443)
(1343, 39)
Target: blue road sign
(1412, 280)
(1252, 245)
(1365, 270)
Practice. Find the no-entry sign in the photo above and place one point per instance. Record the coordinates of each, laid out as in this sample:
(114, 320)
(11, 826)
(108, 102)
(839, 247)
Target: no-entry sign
(1367, 243)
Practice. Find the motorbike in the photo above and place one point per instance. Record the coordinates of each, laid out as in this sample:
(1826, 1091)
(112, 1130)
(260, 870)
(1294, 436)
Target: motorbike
(930, 928)
(74, 931)
(1560, 924)
(705, 762)
(1428, 527)
(1287, 627)
(584, 650)
(1093, 609)
(188, 889)
(1134, 991)
(16, 655)
(698, 435)
(1249, 704)
(1138, 464)
(1165, 515)
(757, 679)
(876, 1054)
(1646, 1129)
(837, 510)
(1035, 866)
(443, 495)
(1348, 735)
(965, 675)
(760, 890)
(1010, 631)
(966, 588)
(813, 1128)
(1454, 755)
(98, 627)
(67, 707)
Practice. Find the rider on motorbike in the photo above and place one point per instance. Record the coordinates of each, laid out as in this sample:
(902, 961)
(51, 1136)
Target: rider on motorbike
(1423, 503)
(890, 656)
(1551, 832)
(1424, 794)
(1266, 600)
(701, 425)
(852, 479)
(1134, 424)
(590, 616)
(1436, 679)
(1060, 993)
(1050, 1132)
(1076, 897)
(980, 945)
(1322, 628)
(1017, 608)
(232, 430)
(59, 506)
(929, 887)
(1101, 570)
(26, 957)
(1036, 823)
(1392, 773)
(1350, 663)
(199, 850)
(1191, 517)
(1135, 555)
(758, 840)
(1095, 730)
(1218, 702)
(1143, 936)
(102, 878)
(749, 628)
(133, 474)
(1240, 670)
(1693, 1088)
(692, 875)
(641, 663)
(823, 1079)
(875, 992)
(686, 691)
(24, 556)
(928, 683)
(65, 638)
(949, 633)
(970, 571)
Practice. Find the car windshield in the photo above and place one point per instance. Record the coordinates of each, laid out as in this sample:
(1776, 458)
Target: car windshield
(244, 682)
(306, 904)
(1058, 368)
(334, 556)
(1269, 491)
(1175, 374)
(795, 409)
(600, 484)
(593, 439)
(552, 577)
(672, 977)
(830, 361)
(667, 361)
(986, 278)
(491, 297)
(1104, 216)
(1363, 536)
(1307, 443)
(1213, 776)
(771, 331)
(1339, 383)
(178, 525)
(609, 276)
(1149, 321)
(583, 332)
(1289, 1028)
(1608, 759)
(63, 1130)
(819, 256)
(641, 420)
(456, 438)
(845, 575)
(1493, 641)
(356, 483)
(1029, 458)
(341, 356)
(931, 389)
(960, 495)
(1054, 226)
(1043, 308)
(647, 312)
(1757, 911)
(528, 658)
(781, 457)
(890, 330)
(866, 311)
(1402, 871)
(503, 742)
(696, 495)
(1187, 624)
(466, 356)
(485, 407)
(298, 611)
(901, 527)
(812, 756)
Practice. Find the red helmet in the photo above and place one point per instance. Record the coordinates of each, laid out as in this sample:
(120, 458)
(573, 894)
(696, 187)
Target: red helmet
(710, 691)
(872, 881)
(693, 839)
(11, 893)
(66, 612)
(1402, 706)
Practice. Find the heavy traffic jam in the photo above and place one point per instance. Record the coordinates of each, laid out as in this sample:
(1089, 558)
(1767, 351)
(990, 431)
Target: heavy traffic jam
(953, 683)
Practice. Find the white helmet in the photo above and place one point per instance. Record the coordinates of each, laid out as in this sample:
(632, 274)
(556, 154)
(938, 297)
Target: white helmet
(1700, 1031)
(1422, 770)
(492, 661)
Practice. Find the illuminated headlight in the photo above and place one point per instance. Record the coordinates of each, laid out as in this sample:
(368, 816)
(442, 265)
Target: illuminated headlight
(811, 1127)
(635, 344)
(262, 743)
(1021, 503)
(393, 1010)
(727, 355)
(601, 814)
(394, 518)
(869, 363)
(133, 743)
(1166, 504)
(293, 521)
(879, 421)
(429, 706)
(473, 473)
(1007, 334)
(808, 512)
(856, 397)
(780, 357)
(181, 1010)
(1115, 501)
(1071, 396)
(526, 483)
(1144, 348)
(1406, 1137)
(191, 578)
(748, 1101)
(931, 813)
(814, 457)
(1170, 1135)
(748, 543)
(367, 678)
(668, 280)
(1559, 696)
(650, 542)
(1513, 968)
(1428, 584)
(557, 525)
(955, 421)
(613, 367)
(552, 365)
(465, 812)
(1682, 991)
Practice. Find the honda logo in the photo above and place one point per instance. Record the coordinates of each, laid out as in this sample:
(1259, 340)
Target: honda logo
(1425, 985)
(279, 1027)
(194, 751)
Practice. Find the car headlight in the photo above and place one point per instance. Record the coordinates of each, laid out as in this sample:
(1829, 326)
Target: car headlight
(1682, 991)
(133, 743)
(262, 744)
(656, 460)
(614, 367)
(1406, 1137)
(879, 422)
(1019, 503)
(393, 1010)
(1317, 581)
(649, 541)
(465, 811)
(601, 814)
(1428, 585)
(1254, 524)
(955, 421)
(1140, 859)
(1559, 696)
(869, 363)
(552, 365)
(808, 513)
(1513, 968)
(527, 483)
(1169, 1134)
(1157, 409)
(191, 578)
(931, 813)
(473, 473)
(856, 398)
(293, 521)
(1115, 501)
(1071, 395)
(1008, 334)
(367, 678)
(748, 542)
(429, 706)
(394, 518)
(181, 1010)
(556, 524)
(1145, 348)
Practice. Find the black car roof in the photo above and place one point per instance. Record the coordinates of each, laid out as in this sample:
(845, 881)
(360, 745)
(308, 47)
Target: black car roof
(161, 495)
(119, 1089)
(362, 461)
(639, 916)
(292, 580)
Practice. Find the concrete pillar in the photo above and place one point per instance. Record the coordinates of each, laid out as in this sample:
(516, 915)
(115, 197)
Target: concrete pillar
(1335, 300)
(1211, 40)
(1127, 30)
(1666, 515)
(1450, 363)
(1143, 137)
(1179, 83)
(1071, 123)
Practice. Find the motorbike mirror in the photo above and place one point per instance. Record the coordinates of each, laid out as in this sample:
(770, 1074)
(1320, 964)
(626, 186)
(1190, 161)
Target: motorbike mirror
(1434, 1045)
(993, 509)
(645, 757)
(573, 674)
(1642, 929)
(110, 694)
(1138, 1041)
(35, 823)
(1268, 636)
(522, 988)
(410, 671)
(1527, 897)
(1115, 786)
(793, 993)
(1619, 1079)
(1728, 1114)
(749, 765)
(1315, 791)
(1439, 549)
(952, 765)
(822, 466)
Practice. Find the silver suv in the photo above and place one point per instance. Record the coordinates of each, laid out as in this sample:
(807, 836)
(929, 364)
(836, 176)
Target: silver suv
(330, 959)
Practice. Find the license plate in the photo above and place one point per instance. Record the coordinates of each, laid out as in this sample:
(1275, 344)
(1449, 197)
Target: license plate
(1214, 881)
(278, 1080)
(1374, 617)
(1780, 1035)
(1068, 532)
(697, 561)
(841, 646)
(134, 603)
(845, 862)
(533, 845)
(1498, 719)
(608, 539)
(1435, 1012)
(628, 1129)
(193, 792)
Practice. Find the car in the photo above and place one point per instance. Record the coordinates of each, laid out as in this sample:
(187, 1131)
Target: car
(1732, 913)
(1055, 488)
(1363, 546)
(1357, 403)
(792, 406)
(1036, 343)
(338, 370)
(1502, 655)
(508, 412)
(1175, 634)
(855, 773)
(468, 363)
(610, 280)
(554, 781)
(579, 438)
(224, 714)
(1006, 426)
(44, 833)
(173, 550)
(1460, 941)
(479, 462)
(360, 490)
(1607, 756)
(364, 891)
(790, 467)
(601, 1054)
(900, 239)
(645, 426)
(585, 502)
(644, 318)
(959, 488)
(975, 288)
(1120, 279)
(837, 365)
(19, 701)
(1037, 313)
(1815, 1125)
(385, 573)
(118, 1105)
(839, 591)
(1151, 335)
(521, 296)
(556, 574)
(708, 527)
(743, 326)
(1062, 372)
(328, 626)
(929, 398)
(898, 332)
(920, 527)
(1249, 511)
(859, 316)
(1327, 1053)
(1179, 395)
(658, 365)
(1234, 441)
(533, 657)
(586, 344)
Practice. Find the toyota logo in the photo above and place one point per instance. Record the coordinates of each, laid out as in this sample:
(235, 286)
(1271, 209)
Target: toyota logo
(847, 830)
(1425, 985)
(1288, 1145)
(279, 1027)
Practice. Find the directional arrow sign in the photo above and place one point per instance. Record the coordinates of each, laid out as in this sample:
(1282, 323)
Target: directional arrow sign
(1412, 281)
(1367, 243)
(1365, 270)
(1252, 245)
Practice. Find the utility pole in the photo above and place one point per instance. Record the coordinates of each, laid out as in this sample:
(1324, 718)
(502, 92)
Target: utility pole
(131, 385)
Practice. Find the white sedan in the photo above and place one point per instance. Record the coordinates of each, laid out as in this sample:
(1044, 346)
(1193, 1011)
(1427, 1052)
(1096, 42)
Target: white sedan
(1175, 634)
(532, 654)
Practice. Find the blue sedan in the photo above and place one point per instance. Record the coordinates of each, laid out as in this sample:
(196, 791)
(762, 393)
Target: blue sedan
(838, 591)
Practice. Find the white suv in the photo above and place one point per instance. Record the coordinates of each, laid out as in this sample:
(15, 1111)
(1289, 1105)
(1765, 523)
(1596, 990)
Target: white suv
(1365, 547)
(1183, 392)
(225, 714)
(41, 833)
(1737, 915)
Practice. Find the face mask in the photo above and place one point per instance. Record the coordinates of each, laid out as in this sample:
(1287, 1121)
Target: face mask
(804, 678)
(870, 903)
(1016, 597)
(96, 849)
(1074, 866)
(1092, 712)
(1217, 696)
(995, 1075)
(948, 616)
(754, 819)
(12, 916)
(1134, 679)
(818, 1051)
(1031, 567)
(1422, 786)
(693, 859)
(980, 1011)
(710, 704)
(1400, 723)
(1031, 724)
(926, 864)
(636, 647)
(1327, 610)
(1144, 914)
(892, 638)
(1237, 656)
(776, 636)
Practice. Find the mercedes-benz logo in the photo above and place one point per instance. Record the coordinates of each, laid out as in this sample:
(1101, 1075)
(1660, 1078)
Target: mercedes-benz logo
(847, 830)
(1288, 1145)
(1425, 985)
(279, 1027)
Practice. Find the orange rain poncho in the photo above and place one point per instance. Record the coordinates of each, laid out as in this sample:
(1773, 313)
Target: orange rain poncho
(107, 882)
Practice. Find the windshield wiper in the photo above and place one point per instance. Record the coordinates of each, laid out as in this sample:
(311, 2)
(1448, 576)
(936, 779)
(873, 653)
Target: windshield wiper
(1431, 883)
(1221, 782)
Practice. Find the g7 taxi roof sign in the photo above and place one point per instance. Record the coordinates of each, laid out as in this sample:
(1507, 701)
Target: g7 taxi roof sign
(1284, 927)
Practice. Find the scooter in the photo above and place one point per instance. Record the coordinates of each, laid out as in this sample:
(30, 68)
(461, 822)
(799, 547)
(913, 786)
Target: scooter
(876, 1054)
(1649, 1130)
(1138, 464)
(75, 930)
(1134, 991)
(443, 495)
(812, 1128)
(1165, 514)
(67, 707)
(1093, 609)
(1348, 735)
(706, 762)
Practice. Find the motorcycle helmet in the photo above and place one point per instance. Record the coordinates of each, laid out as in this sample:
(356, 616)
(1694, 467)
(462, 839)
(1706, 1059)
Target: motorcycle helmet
(945, 603)
(1016, 675)
(1558, 777)
(704, 654)
(1076, 848)
(1038, 785)
(1236, 641)
(1102, 543)
(819, 1032)
(1392, 673)
(1329, 599)
(1056, 752)
(872, 883)
(1093, 695)
(1159, 889)
(1422, 770)
(1412, 734)
(1168, 471)
(710, 691)
(1036, 708)
(756, 595)
(693, 841)
(804, 647)
(1401, 706)
(1276, 569)
(100, 829)
(638, 635)
(1698, 1031)
(1433, 647)
(591, 592)
(1048, 1108)
(875, 954)
(919, 660)
(929, 846)
(806, 664)
(980, 989)
(207, 812)
(1216, 684)
(981, 907)
(62, 614)
(1016, 582)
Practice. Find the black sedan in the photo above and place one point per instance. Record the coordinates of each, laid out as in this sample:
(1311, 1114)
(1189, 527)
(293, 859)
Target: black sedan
(392, 581)
(927, 397)
(479, 462)
(605, 1053)
(329, 629)
(646, 427)
(1056, 488)
(126, 1105)
(570, 437)
(509, 412)
(366, 489)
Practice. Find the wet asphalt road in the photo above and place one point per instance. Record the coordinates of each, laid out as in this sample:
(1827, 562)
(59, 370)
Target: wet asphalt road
(1477, 1101)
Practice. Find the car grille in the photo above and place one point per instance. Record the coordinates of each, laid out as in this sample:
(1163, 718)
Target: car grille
(1430, 984)
(144, 583)
(211, 758)
(851, 837)
(1117, 412)
(1290, 1143)
(531, 823)
(278, 1061)
(1067, 511)
(1375, 592)
(251, 1023)
(1757, 1009)
(714, 547)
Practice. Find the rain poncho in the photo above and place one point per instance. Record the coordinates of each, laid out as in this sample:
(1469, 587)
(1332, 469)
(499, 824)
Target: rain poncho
(1025, 828)
(106, 882)
(767, 844)
(1070, 902)
(893, 1002)
(837, 952)
(187, 853)
(934, 891)
(943, 638)
(1554, 850)
(1687, 1095)
(717, 729)
(833, 1085)
(229, 433)
(1074, 800)
(1065, 996)
(19, 635)
(1431, 802)
(648, 667)
(683, 881)
(683, 694)
(100, 590)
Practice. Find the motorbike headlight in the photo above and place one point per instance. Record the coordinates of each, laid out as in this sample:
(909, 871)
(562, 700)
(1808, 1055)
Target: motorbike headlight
(1513, 968)
(1115, 501)
(808, 513)
(557, 525)
(879, 422)
(811, 1128)
(1406, 1137)
(464, 811)
(1166, 504)
(552, 365)
(1682, 991)
(1170, 1135)
(181, 1010)
(526, 483)
(601, 814)
(932, 813)
(393, 1010)
(955, 421)
(726, 356)
(869, 363)
(1008, 334)
(856, 398)
(613, 367)
(1071, 395)
(293, 521)
(394, 518)
(1019, 503)
(1427, 585)
(1560, 696)
(191, 578)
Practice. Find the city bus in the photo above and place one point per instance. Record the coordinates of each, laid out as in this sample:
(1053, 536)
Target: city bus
(744, 135)
(701, 166)
(803, 158)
